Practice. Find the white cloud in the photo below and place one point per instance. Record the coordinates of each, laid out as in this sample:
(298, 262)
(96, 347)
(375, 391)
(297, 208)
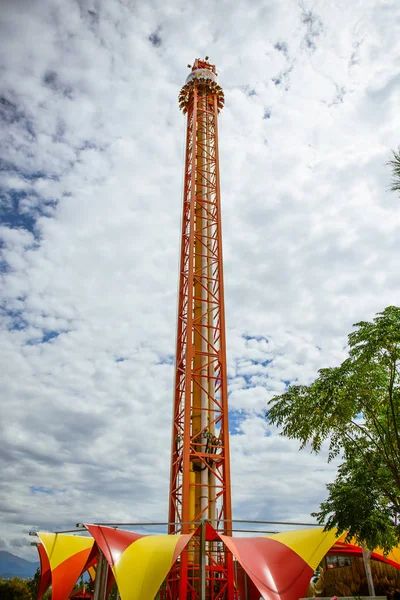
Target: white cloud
(92, 157)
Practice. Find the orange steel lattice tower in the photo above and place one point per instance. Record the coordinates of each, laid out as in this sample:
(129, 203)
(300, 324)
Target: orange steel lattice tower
(200, 466)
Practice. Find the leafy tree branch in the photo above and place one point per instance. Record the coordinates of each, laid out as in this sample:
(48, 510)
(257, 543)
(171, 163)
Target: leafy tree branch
(354, 408)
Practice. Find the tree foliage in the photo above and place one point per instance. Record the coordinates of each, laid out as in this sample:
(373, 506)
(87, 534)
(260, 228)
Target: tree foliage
(355, 409)
(34, 584)
(395, 164)
(15, 589)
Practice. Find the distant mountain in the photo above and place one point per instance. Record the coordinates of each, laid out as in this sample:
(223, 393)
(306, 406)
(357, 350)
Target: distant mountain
(15, 566)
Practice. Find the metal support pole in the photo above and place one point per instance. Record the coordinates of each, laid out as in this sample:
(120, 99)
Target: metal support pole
(100, 582)
(367, 566)
(203, 560)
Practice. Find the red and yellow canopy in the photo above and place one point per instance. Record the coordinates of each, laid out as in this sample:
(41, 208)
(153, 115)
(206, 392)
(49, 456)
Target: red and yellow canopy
(45, 572)
(139, 563)
(279, 567)
(353, 549)
(67, 557)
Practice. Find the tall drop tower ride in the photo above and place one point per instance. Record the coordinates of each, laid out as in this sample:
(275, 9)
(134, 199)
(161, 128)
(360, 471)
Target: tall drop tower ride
(200, 466)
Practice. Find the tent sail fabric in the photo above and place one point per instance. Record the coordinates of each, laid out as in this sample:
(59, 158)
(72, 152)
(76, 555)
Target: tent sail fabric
(352, 547)
(281, 565)
(139, 563)
(310, 544)
(393, 558)
(245, 585)
(45, 572)
(67, 556)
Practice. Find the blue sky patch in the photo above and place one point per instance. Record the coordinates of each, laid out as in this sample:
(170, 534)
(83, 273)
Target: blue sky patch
(168, 359)
(236, 418)
(47, 336)
(16, 320)
(16, 214)
(46, 491)
(258, 338)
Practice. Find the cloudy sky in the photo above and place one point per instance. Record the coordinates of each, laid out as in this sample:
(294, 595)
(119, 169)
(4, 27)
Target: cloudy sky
(92, 146)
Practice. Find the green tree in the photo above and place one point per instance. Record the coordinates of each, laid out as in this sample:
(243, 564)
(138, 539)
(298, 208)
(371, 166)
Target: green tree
(395, 164)
(34, 583)
(15, 589)
(355, 408)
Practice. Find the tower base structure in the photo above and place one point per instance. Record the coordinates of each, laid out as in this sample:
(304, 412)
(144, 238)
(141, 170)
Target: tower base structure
(211, 577)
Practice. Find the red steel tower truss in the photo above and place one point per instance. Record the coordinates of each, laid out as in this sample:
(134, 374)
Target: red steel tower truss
(200, 466)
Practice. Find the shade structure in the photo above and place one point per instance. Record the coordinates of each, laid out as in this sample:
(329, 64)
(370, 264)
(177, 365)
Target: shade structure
(281, 565)
(393, 558)
(45, 572)
(245, 585)
(278, 567)
(352, 548)
(139, 563)
(67, 556)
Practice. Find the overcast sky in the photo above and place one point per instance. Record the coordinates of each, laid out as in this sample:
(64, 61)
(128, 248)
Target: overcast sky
(92, 148)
